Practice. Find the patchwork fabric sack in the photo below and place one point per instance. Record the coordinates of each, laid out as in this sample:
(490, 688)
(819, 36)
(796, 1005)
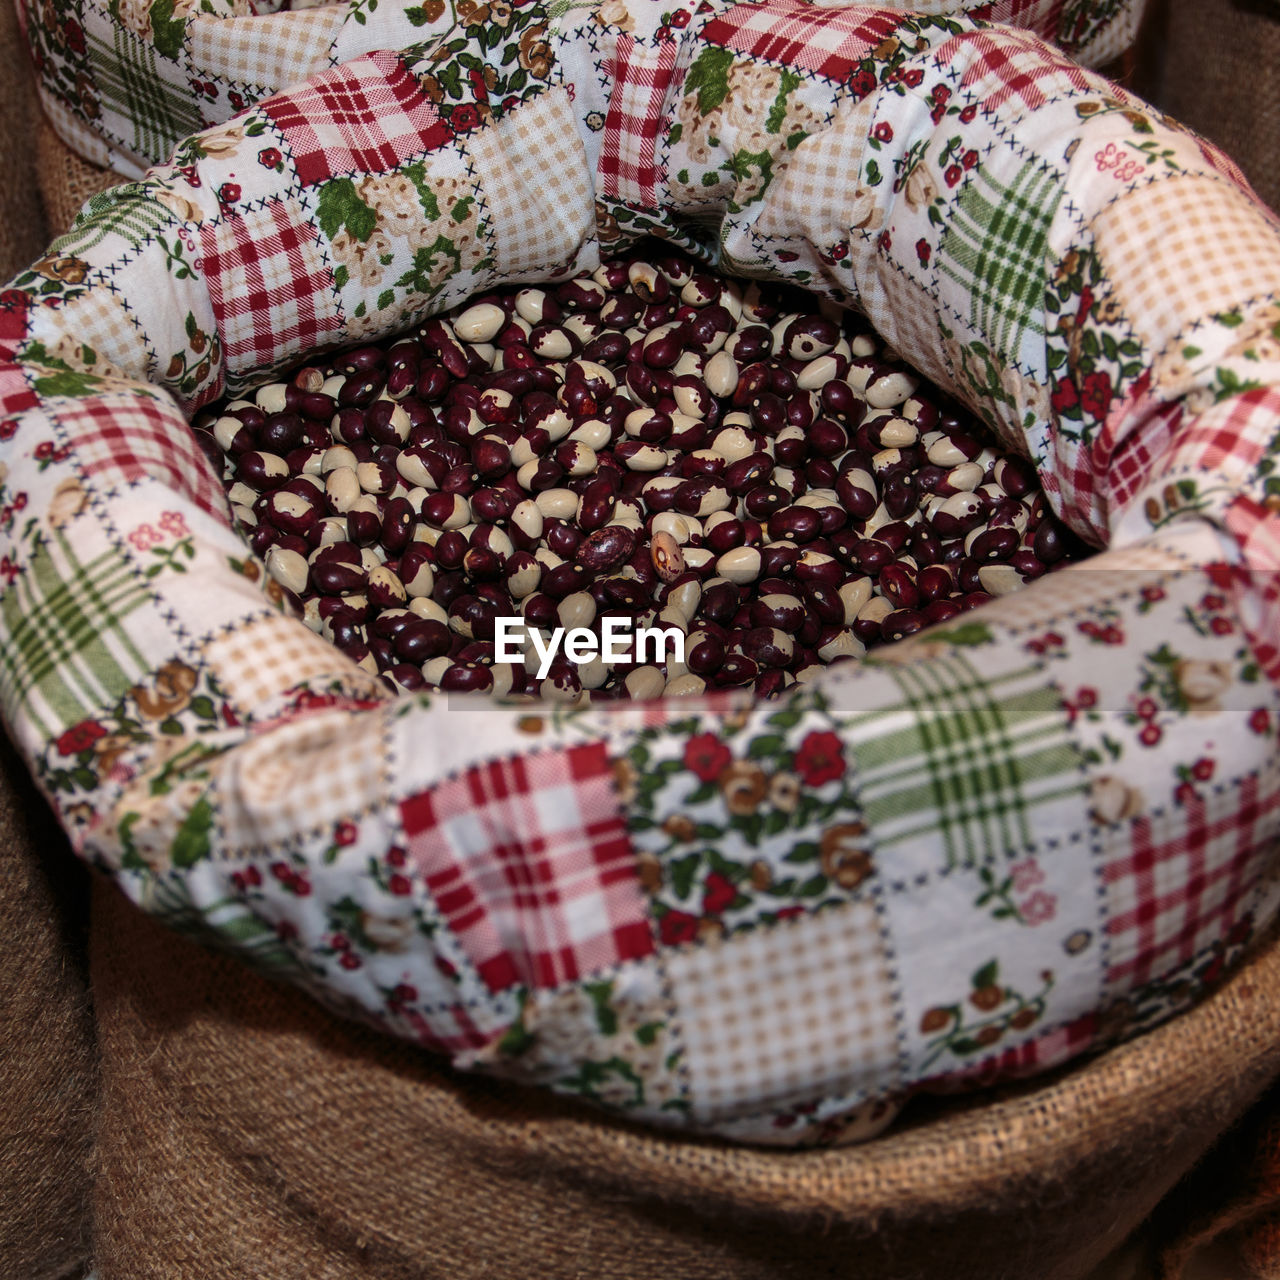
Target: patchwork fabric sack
(124, 81)
(1099, 749)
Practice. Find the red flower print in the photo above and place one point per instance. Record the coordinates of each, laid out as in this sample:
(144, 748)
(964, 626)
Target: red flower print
(718, 894)
(1212, 601)
(913, 78)
(1185, 793)
(173, 523)
(1146, 708)
(478, 86)
(969, 159)
(1095, 394)
(923, 250)
(1221, 626)
(1085, 305)
(1260, 720)
(1086, 697)
(73, 33)
(1152, 594)
(400, 885)
(883, 132)
(862, 82)
(396, 856)
(1026, 875)
(680, 18)
(1039, 907)
(953, 174)
(252, 876)
(885, 241)
(1150, 735)
(345, 834)
(269, 157)
(676, 927)
(820, 759)
(236, 99)
(968, 113)
(404, 993)
(464, 117)
(706, 756)
(229, 192)
(80, 737)
(942, 94)
(1202, 770)
(349, 960)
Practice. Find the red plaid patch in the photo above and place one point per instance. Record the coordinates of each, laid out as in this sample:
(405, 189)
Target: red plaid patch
(1127, 469)
(1257, 530)
(530, 864)
(1013, 64)
(795, 33)
(366, 116)
(1237, 431)
(121, 438)
(641, 79)
(1182, 879)
(1041, 16)
(269, 286)
(449, 1029)
(15, 396)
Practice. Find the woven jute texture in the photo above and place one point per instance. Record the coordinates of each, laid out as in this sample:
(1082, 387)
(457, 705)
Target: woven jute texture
(1217, 69)
(22, 233)
(48, 1068)
(66, 180)
(246, 1132)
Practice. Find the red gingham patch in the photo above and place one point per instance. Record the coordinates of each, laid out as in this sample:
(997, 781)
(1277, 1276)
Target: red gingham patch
(367, 116)
(15, 396)
(1008, 64)
(828, 42)
(1237, 431)
(1257, 530)
(1040, 16)
(641, 78)
(269, 286)
(1174, 892)
(530, 864)
(449, 1029)
(121, 438)
(1129, 467)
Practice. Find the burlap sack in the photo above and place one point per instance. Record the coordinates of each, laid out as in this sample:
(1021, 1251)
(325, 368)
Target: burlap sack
(248, 1133)
(1215, 65)
(47, 1062)
(48, 1069)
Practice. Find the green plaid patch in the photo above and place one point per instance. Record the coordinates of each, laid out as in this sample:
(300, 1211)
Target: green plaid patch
(136, 97)
(130, 212)
(996, 249)
(67, 654)
(966, 756)
(226, 923)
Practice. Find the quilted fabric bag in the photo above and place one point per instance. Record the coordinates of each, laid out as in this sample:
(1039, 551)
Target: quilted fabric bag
(1090, 278)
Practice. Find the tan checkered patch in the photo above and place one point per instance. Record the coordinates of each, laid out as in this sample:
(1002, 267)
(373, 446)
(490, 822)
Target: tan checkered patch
(98, 320)
(782, 1015)
(262, 659)
(906, 317)
(272, 52)
(1215, 252)
(301, 777)
(533, 171)
(812, 197)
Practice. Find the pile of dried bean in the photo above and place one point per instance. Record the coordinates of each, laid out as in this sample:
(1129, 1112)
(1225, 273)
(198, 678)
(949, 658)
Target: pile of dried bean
(648, 442)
